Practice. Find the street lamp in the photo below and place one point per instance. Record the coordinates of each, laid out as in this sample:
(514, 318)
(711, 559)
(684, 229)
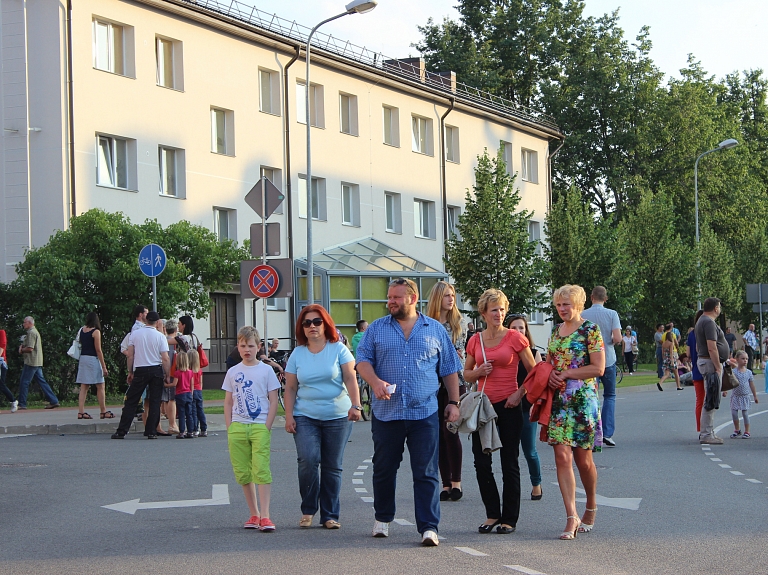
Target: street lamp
(354, 7)
(724, 145)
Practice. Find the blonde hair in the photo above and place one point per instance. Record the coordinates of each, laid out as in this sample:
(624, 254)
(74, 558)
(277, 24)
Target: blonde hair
(740, 353)
(248, 332)
(435, 306)
(182, 362)
(492, 296)
(194, 360)
(572, 293)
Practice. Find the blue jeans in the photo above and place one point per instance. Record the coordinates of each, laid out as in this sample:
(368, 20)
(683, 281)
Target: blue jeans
(184, 412)
(321, 443)
(608, 379)
(198, 415)
(659, 363)
(389, 440)
(528, 443)
(28, 373)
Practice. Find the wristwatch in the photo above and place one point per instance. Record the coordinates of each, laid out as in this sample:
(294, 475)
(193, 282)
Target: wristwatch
(456, 403)
(357, 407)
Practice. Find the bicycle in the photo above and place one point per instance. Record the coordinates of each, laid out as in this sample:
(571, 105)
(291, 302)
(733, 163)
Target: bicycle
(366, 398)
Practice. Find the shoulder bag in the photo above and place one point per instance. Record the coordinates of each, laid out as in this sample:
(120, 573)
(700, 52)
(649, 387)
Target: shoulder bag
(76, 347)
(729, 380)
(469, 404)
(200, 351)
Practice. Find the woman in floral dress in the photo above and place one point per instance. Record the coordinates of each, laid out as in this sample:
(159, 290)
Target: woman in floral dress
(577, 354)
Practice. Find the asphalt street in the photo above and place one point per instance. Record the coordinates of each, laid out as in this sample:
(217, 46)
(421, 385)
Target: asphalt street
(666, 506)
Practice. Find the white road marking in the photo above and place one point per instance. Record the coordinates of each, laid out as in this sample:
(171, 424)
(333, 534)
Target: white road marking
(357, 482)
(706, 448)
(737, 472)
(470, 551)
(367, 499)
(361, 490)
(754, 481)
(715, 459)
(631, 503)
(359, 473)
(219, 496)
(727, 423)
(403, 522)
(724, 466)
(367, 460)
(524, 570)
(362, 467)
(16, 435)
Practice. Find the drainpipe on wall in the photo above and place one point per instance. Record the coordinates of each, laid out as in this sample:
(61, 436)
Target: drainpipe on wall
(549, 173)
(442, 173)
(291, 311)
(71, 103)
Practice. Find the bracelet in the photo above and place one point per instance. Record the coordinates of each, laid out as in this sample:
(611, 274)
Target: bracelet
(456, 403)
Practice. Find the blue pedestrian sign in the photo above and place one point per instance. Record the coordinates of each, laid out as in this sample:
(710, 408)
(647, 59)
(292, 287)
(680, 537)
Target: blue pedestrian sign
(152, 260)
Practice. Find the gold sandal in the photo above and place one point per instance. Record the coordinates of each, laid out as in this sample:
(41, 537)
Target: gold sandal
(306, 521)
(331, 524)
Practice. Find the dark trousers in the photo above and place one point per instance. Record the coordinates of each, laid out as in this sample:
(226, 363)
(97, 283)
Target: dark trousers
(510, 425)
(750, 356)
(143, 377)
(450, 443)
(659, 362)
(629, 359)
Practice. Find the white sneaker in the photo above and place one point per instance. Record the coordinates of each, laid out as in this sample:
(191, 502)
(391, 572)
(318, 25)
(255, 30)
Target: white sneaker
(14, 406)
(429, 539)
(380, 529)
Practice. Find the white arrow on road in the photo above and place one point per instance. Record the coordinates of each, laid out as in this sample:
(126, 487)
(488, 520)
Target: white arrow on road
(219, 496)
(631, 503)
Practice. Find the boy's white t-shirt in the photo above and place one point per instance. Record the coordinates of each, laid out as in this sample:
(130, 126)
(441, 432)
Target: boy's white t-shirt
(250, 386)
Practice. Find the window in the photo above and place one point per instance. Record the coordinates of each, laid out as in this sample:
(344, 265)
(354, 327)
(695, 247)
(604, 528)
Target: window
(224, 224)
(276, 304)
(318, 198)
(116, 162)
(452, 144)
(169, 63)
(536, 317)
(392, 209)
(506, 154)
(453, 221)
(348, 114)
(222, 131)
(172, 171)
(534, 235)
(530, 166)
(422, 135)
(316, 106)
(424, 219)
(350, 204)
(274, 175)
(391, 126)
(108, 47)
(269, 92)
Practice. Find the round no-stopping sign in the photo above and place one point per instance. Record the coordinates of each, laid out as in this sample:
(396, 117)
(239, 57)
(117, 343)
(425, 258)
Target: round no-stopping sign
(264, 281)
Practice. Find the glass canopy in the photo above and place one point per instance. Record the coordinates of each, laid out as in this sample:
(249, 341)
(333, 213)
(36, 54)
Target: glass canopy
(369, 255)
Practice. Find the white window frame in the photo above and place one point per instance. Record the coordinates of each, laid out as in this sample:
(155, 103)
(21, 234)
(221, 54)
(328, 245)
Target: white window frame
(277, 304)
(529, 171)
(222, 131)
(506, 153)
(393, 218)
(534, 235)
(177, 189)
(231, 223)
(115, 38)
(421, 135)
(348, 114)
(274, 175)
(118, 151)
(316, 104)
(452, 214)
(350, 204)
(451, 144)
(269, 92)
(318, 198)
(175, 79)
(424, 217)
(390, 117)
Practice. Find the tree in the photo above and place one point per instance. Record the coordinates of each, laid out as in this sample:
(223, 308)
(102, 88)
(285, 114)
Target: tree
(93, 266)
(492, 249)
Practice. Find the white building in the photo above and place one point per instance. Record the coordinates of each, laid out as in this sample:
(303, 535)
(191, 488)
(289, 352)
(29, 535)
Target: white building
(173, 109)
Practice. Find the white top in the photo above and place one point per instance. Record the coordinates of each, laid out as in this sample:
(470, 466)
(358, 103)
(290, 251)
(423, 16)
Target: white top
(148, 345)
(250, 386)
(629, 341)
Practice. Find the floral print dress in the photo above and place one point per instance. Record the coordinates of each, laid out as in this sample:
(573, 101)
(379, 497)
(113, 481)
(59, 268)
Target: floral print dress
(575, 418)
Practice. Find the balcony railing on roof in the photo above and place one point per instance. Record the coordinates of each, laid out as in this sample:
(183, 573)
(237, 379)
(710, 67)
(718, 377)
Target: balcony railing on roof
(291, 29)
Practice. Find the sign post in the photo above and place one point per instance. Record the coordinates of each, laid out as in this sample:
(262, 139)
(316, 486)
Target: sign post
(152, 262)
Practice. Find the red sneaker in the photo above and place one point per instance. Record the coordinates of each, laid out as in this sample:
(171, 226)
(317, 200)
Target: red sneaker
(266, 524)
(252, 523)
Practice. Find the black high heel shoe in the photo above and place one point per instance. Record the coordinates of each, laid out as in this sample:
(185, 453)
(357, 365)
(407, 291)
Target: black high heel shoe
(456, 494)
(488, 528)
(537, 497)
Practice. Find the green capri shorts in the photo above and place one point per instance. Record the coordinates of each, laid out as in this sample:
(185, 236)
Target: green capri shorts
(249, 449)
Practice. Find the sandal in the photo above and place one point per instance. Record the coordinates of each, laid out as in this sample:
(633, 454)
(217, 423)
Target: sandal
(306, 521)
(331, 524)
(83, 416)
(569, 535)
(107, 415)
(586, 527)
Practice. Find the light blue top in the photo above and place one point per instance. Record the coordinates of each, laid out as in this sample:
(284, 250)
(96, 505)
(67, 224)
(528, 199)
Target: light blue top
(607, 320)
(322, 394)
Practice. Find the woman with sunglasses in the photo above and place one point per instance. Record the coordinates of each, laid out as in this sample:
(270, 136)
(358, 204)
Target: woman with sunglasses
(321, 402)
(528, 438)
(442, 307)
(492, 358)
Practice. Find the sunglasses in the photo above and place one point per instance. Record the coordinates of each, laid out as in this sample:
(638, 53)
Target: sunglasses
(317, 322)
(516, 316)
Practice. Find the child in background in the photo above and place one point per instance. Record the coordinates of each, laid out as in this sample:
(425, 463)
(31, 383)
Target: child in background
(250, 406)
(182, 380)
(740, 395)
(765, 371)
(198, 415)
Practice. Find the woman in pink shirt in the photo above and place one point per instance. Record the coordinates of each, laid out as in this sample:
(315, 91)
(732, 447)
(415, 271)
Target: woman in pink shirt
(492, 359)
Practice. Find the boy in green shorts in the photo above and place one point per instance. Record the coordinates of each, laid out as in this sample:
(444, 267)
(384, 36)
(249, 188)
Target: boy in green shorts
(250, 406)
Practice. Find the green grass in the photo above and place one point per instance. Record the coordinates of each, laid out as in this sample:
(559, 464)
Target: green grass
(213, 394)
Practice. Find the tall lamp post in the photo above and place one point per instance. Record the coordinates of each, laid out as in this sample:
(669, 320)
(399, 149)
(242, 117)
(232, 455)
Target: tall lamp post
(354, 7)
(724, 145)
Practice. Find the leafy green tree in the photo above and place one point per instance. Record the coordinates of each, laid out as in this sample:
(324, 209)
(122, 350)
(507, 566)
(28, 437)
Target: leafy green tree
(93, 266)
(492, 249)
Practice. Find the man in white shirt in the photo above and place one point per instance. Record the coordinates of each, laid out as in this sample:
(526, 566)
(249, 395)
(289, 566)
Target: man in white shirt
(148, 367)
(751, 345)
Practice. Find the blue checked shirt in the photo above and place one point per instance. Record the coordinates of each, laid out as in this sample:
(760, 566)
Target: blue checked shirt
(412, 364)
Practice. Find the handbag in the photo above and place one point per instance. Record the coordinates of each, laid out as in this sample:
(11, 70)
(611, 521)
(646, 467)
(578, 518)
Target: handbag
(729, 380)
(76, 347)
(200, 352)
(469, 405)
(635, 347)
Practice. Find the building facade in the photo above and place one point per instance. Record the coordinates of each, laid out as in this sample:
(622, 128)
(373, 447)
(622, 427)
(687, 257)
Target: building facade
(173, 109)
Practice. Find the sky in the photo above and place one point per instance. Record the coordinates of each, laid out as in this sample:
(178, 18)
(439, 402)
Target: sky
(724, 35)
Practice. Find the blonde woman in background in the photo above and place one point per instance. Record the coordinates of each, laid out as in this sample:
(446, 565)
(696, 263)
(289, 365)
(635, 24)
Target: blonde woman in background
(442, 307)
